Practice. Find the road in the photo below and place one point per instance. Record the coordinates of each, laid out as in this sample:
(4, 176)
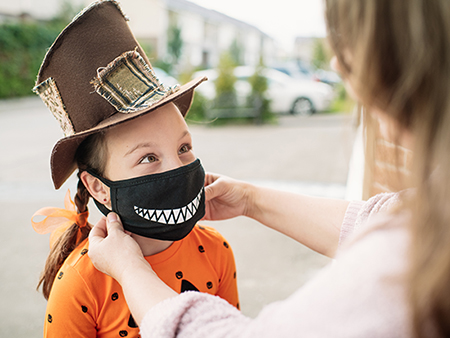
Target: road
(305, 155)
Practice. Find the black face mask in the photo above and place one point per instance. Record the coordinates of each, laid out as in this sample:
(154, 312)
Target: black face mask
(162, 206)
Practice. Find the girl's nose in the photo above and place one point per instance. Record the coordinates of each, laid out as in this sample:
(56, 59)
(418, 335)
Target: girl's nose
(172, 162)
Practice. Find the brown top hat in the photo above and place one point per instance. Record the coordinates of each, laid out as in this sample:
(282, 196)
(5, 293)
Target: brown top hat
(95, 76)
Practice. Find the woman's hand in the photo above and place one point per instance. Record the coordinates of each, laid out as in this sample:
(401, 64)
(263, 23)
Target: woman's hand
(226, 198)
(114, 252)
(111, 249)
(312, 221)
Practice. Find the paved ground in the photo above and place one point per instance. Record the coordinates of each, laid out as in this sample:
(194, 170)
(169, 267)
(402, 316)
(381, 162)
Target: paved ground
(308, 155)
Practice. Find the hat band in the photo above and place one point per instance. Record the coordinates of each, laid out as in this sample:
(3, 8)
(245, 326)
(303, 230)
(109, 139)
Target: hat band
(129, 84)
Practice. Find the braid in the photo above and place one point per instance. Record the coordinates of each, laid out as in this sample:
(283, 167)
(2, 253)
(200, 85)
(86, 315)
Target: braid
(81, 197)
(58, 254)
(81, 200)
(68, 241)
(90, 154)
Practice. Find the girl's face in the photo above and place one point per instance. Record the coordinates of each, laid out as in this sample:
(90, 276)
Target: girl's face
(154, 143)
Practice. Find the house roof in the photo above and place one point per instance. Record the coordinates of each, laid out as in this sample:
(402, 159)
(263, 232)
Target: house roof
(210, 14)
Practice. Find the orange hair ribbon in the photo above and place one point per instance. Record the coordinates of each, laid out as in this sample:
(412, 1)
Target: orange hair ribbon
(58, 220)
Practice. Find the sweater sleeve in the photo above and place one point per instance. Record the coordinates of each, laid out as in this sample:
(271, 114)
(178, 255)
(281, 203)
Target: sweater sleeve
(359, 213)
(193, 314)
(360, 295)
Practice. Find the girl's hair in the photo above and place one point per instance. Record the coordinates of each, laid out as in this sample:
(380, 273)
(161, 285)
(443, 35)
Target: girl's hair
(90, 154)
(396, 55)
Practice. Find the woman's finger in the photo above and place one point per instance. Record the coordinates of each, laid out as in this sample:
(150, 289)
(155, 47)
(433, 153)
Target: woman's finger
(99, 231)
(213, 189)
(113, 223)
(211, 178)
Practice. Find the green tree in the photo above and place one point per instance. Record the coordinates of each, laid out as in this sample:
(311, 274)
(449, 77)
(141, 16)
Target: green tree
(258, 97)
(225, 92)
(236, 52)
(22, 49)
(175, 42)
(320, 58)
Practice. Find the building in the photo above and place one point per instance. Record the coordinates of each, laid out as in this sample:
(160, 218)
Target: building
(205, 33)
(208, 33)
(304, 48)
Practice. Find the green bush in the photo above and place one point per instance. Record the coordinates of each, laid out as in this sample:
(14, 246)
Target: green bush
(258, 97)
(225, 91)
(197, 112)
(22, 49)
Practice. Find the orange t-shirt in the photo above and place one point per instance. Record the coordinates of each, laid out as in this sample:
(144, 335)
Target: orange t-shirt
(87, 303)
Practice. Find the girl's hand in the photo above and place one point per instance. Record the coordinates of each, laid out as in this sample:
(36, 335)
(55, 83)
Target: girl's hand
(226, 198)
(112, 250)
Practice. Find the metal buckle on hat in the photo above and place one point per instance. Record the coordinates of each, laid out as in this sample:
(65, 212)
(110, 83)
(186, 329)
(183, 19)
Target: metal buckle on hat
(129, 84)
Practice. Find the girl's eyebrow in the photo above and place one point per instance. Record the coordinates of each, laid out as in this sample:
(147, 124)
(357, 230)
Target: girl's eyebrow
(186, 132)
(149, 145)
(138, 146)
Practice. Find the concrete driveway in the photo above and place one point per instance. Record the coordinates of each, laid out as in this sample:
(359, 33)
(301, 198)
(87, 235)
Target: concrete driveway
(305, 155)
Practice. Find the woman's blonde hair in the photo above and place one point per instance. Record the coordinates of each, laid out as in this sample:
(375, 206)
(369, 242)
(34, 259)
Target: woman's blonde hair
(396, 54)
(91, 154)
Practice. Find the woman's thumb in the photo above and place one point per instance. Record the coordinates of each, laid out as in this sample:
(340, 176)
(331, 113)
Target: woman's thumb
(211, 191)
(113, 222)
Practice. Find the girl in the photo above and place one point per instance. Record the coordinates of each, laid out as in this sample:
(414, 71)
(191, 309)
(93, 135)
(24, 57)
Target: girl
(391, 276)
(134, 155)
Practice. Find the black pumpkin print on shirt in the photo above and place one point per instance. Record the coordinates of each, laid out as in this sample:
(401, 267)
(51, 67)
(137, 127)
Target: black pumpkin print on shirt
(187, 286)
(132, 322)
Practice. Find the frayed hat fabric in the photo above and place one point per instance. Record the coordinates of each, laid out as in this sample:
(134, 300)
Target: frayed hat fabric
(129, 84)
(95, 76)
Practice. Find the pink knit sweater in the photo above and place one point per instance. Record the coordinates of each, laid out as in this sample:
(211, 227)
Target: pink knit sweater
(360, 294)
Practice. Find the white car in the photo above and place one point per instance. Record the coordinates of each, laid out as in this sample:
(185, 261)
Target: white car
(165, 78)
(287, 94)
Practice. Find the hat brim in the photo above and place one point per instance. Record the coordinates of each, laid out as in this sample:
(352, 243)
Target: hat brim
(62, 159)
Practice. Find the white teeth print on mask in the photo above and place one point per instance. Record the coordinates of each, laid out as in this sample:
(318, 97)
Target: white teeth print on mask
(171, 216)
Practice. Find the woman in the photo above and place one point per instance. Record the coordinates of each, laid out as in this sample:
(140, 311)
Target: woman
(392, 271)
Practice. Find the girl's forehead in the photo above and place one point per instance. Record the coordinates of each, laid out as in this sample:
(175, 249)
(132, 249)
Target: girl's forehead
(159, 126)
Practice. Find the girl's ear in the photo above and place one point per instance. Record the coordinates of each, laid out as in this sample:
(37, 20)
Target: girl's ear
(96, 188)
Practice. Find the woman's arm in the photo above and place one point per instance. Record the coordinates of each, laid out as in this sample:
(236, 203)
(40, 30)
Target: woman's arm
(312, 221)
(141, 286)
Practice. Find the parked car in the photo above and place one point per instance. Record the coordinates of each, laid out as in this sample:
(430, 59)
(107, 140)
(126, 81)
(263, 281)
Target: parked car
(302, 70)
(165, 78)
(287, 94)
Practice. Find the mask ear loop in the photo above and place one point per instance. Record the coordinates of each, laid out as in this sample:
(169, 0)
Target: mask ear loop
(102, 179)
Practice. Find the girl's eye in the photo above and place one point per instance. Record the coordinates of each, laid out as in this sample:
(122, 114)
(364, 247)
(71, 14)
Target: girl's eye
(185, 148)
(149, 159)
